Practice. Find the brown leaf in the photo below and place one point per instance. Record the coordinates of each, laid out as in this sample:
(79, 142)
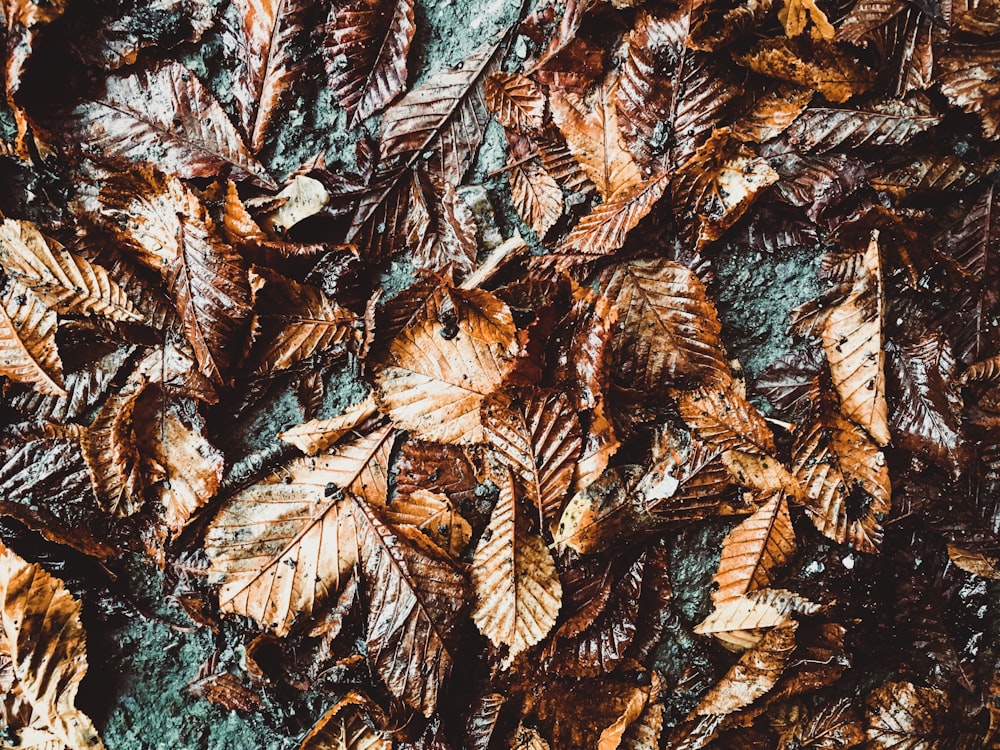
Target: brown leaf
(440, 229)
(366, 51)
(740, 623)
(281, 548)
(518, 593)
(261, 41)
(415, 599)
(293, 322)
(852, 339)
(883, 123)
(603, 513)
(64, 281)
(772, 113)
(44, 641)
(316, 435)
(526, 738)
(796, 15)
(724, 418)
(442, 371)
(536, 196)
(348, 725)
(756, 672)
(181, 467)
(28, 352)
(536, 435)
(109, 448)
(433, 514)
(669, 330)
(966, 80)
(901, 714)
(845, 477)
(163, 110)
(754, 549)
(977, 563)
(644, 734)
(436, 468)
(515, 101)
(590, 127)
(228, 691)
(717, 185)
(820, 66)
(836, 724)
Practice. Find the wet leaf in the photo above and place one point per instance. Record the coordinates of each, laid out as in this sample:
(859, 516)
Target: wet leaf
(28, 352)
(901, 714)
(366, 50)
(823, 67)
(885, 123)
(966, 81)
(163, 110)
(515, 101)
(536, 196)
(348, 725)
(316, 435)
(44, 641)
(109, 448)
(433, 514)
(518, 593)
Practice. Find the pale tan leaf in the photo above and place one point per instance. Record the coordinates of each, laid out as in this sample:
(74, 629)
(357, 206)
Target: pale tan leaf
(838, 466)
(435, 515)
(772, 113)
(537, 436)
(756, 672)
(517, 102)
(182, 468)
(852, 339)
(903, 716)
(668, 330)
(440, 372)
(761, 473)
(590, 128)
(109, 448)
(278, 548)
(42, 637)
(347, 726)
(301, 198)
(28, 352)
(316, 435)
(754, 549)
(536, 196)
(518, 593)
(65, 282)
(644, 734)
(740, 623)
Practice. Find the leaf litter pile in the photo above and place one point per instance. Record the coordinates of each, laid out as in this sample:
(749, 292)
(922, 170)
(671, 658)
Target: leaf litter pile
(490, 546)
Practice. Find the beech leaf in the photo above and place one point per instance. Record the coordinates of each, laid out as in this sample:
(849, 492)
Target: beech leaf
(515, 101)
(28, 352)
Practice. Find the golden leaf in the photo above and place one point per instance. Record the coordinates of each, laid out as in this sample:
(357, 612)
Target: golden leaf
(64, 281)
(838, 465)
(818, 65)
(977, 563)
(756, 672)
(518, 593)
(536, 196)
(761, 473)
(181, 466)
(28, 352)
(440, 372)
(752, 550)
(345, 726)
(644, 734)
(724, 418)
(316, 435)
(109, 449)
(41, 635)
(772, 113)
(796, 14)
(514, 100)
(435, 515)
(590, 128)
(278, 548)
(852, 340)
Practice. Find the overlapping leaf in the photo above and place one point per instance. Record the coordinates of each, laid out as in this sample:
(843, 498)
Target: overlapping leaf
(515, 101)
(345, 726)
(28, 352)
(109, 448)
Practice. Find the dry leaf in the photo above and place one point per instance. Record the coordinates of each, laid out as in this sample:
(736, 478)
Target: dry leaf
(518, 593)
(44, 641)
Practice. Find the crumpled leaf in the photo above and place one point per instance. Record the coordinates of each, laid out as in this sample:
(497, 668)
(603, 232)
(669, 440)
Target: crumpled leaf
(518, 592)
(433, 514)
(415, 599)
(535, 434)
(440, 229)
(28, 352)
(126, 122)
(669, 330)
(64, 281)
(845, 477)
(109, 448)
(279, 549)
(526, 738)
(442, 371)
(366, 50)
(515, 101)
(42, 637)
(820, 66)
(795, 16)
(590, 127)
(260, 40)
(347, 726)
